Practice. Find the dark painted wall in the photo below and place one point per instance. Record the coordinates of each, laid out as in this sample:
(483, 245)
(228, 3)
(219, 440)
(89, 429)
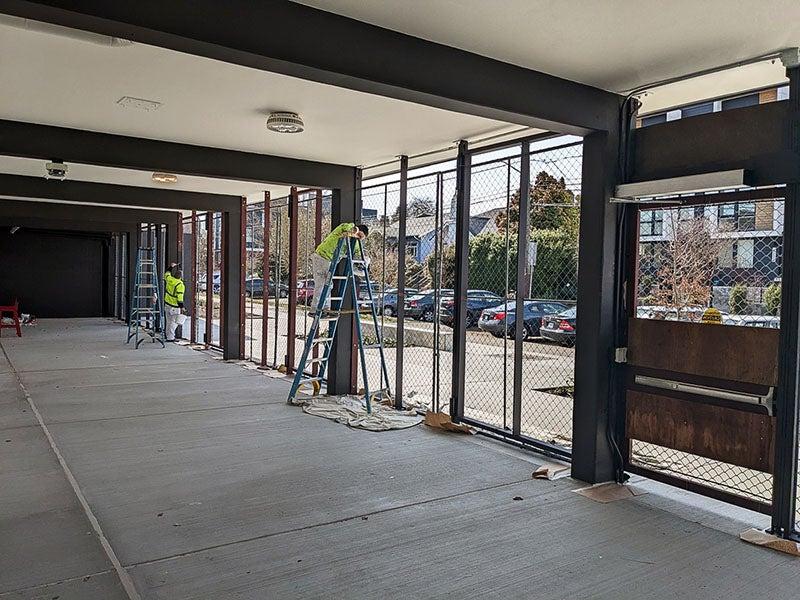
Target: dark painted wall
(54, 274)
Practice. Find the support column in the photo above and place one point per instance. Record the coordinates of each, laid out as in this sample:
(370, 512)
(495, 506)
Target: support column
(291, 321)
(463, 177)
(242, 275)
(786, 402)
(401, 283)
(317, 242)
(345, 208)
(232, 281)
(522, 280)
(592, 458)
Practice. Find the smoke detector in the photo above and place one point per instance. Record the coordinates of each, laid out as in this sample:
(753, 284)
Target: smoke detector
(165, 178)
(285, 122)
(56, 169)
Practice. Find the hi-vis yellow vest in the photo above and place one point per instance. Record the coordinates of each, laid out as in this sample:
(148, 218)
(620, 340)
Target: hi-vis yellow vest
(173, 290)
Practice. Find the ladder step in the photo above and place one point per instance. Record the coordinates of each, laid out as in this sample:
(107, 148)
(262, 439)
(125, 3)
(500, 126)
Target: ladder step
(338, 299)
(371, 346)
(339, 277)
(147, 285)
(321, 340)
(317, 360)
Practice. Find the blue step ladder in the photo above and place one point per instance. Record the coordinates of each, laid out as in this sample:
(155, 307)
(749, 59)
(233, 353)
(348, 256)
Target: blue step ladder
(351, 250)
(146, 316)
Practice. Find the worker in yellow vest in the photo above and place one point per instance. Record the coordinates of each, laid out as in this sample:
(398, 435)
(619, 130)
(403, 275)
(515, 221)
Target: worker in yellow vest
(174, 289)
(323, 255)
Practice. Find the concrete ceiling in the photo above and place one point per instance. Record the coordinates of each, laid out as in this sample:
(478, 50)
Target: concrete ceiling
(56, 80)
(614, 44)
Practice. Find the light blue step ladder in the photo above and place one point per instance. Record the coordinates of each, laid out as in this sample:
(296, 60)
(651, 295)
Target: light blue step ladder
(350, 250)
(146, 316)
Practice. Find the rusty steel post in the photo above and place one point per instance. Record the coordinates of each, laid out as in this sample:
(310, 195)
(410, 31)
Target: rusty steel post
(209, 276)
(291, 322)
(193, 324)
(265, 279)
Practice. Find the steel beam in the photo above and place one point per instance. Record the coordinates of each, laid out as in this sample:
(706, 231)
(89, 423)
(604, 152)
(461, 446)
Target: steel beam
(784, 491)
(522, 281)
(43, 142)
(89, 193)
(463, 178)
(80, 214)
(592, 458)
(291, 322)
(401, 283)
(360, 56)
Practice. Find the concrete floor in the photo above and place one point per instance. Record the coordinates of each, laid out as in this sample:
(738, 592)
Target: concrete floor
(206, 485)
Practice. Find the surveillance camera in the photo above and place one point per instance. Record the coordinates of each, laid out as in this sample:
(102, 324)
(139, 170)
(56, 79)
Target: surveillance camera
(56, 170)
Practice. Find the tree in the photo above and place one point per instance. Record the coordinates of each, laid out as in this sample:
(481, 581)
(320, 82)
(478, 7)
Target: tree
(416, 207)
(552, 206)
(772, 298)
(489, 262)
(687, 263)
(737, 299)
(447, 267)
(555, 275)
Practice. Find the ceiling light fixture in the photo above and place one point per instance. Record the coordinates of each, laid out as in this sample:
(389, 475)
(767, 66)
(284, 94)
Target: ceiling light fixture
(165, 178)
(285, 122)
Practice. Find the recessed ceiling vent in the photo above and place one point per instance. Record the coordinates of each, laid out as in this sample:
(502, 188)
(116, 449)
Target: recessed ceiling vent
(285, 122)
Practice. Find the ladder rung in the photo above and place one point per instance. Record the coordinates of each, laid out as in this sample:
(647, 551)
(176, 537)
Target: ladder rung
(334, 318)
(339, 277)
(317, 360)
(338, 298)
(371, 346)
(359, 262)
(318, 340)
(365, 302)
(148, 285)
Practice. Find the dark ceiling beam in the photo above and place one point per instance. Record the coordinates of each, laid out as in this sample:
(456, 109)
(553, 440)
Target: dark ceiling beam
(54, 225)
(304, 42)
(45, 142)
(102, 216)
(82, 192)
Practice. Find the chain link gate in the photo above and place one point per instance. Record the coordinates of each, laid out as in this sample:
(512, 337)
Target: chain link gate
(710, 261)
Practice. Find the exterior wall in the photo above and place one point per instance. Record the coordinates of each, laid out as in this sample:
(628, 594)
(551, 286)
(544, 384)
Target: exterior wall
(54, 274)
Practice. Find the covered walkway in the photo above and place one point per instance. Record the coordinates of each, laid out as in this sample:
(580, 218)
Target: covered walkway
(206, 485)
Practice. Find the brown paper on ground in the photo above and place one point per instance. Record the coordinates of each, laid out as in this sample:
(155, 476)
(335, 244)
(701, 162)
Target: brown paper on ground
(762, 538)
(443, 421)
(551, 471)
(609, 492)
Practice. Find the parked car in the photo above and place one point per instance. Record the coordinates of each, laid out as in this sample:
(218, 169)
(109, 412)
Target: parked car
(282, 289)
(305, 291)
(363, 294)
(477, 301)
(254, 287)
(421, 306)
(503, 318)
(560, 327)
(387, 302)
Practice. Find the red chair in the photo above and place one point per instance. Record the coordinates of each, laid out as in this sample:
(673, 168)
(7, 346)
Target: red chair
(13, 311)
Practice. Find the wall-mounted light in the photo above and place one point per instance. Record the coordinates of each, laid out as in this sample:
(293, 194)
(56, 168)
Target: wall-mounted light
(165, 178)
(285, 122)
(14, 229)
(643, 192)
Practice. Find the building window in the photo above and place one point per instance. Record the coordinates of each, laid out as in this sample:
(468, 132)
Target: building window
(740, 102)
(654, 119)
(744, 254)
(726, 255)
(651, 222)
(697, 109)
(740, 216)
